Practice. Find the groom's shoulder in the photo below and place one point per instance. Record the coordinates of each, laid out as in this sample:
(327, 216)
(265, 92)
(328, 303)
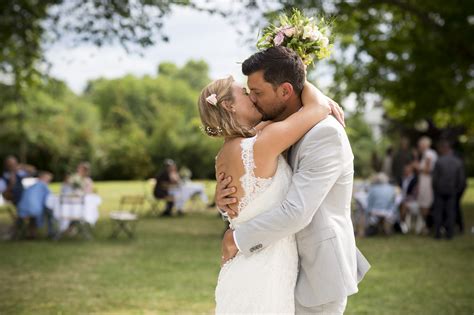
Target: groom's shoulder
(326, 127)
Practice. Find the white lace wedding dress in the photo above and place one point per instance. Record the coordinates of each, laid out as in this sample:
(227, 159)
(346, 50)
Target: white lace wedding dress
(264, 282)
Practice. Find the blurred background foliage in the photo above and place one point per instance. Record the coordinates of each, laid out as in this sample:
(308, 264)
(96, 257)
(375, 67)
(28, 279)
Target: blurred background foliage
(413, 59)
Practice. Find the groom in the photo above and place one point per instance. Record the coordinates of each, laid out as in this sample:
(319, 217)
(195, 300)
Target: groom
(317, 207)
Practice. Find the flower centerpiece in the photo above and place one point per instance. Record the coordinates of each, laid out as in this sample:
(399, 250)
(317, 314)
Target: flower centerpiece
(308, 37)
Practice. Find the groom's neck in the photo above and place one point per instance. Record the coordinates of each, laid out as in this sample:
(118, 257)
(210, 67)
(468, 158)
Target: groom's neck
(292, 106)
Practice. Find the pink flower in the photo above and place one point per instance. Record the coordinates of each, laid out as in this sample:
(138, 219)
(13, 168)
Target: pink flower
(279, 39)
(288, 31)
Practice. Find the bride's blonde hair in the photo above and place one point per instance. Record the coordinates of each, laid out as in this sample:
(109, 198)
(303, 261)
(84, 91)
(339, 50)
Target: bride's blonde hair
(217, 120)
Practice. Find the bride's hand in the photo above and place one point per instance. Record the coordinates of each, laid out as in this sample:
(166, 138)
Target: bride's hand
(337, 111)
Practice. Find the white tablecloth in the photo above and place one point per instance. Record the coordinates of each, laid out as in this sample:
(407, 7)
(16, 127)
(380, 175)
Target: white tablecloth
(90, 212)
(185, 191)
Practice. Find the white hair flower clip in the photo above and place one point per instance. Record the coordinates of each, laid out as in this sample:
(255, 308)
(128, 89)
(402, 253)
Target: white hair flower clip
(212, 99)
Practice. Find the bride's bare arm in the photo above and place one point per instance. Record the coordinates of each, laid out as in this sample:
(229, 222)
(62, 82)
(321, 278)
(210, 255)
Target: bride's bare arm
(278, 136)
(262, 125)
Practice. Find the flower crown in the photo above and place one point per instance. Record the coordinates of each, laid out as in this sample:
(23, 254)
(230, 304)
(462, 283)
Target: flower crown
(306, 36)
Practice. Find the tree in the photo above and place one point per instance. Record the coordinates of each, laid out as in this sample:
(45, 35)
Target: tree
(159, 117)
(60, 128)
(416, 55)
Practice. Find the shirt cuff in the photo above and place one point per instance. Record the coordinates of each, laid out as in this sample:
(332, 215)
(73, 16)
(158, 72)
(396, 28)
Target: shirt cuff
(235, 241)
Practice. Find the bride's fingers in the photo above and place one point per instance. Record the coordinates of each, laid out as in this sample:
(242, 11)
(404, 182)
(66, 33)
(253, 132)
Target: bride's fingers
(343, 118)
(337, 111)
(341, 114)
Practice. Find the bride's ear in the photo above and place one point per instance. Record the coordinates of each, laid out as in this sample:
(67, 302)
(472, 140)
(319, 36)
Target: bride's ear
(229, 106)
(286, 90)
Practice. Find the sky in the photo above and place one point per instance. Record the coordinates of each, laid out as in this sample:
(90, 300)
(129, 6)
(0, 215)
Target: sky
(193, 35)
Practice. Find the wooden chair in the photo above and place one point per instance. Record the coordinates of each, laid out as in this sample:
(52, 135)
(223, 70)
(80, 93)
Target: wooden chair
(124, 220)
(72, 209)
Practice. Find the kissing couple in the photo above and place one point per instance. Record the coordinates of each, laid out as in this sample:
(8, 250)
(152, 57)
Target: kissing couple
(285, 175)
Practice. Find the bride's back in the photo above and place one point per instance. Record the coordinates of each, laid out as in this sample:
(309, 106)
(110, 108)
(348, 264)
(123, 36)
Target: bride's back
(245, 160)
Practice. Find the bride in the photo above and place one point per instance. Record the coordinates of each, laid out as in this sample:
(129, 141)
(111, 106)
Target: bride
(253, 152)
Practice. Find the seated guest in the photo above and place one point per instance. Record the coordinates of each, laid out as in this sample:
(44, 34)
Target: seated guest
(11, 180)
(409, 206)
(360, 208)
(81, 182)
(381, 203)
(33, 204)
(66, 186)
(165, 180)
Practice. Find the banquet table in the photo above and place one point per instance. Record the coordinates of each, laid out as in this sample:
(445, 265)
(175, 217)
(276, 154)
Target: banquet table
(88, 212)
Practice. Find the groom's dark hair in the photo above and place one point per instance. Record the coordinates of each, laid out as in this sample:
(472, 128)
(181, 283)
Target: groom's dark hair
(279, 65)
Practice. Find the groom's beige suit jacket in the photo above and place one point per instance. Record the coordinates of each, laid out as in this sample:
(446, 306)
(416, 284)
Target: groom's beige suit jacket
(317, 209)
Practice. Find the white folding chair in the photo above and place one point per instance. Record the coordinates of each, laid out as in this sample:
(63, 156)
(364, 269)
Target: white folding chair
(126, 217)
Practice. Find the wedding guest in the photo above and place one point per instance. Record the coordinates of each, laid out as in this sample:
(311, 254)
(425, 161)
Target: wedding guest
(401, 158)
(81, 181)
(425, 168)
(165, 180)
(409, 206)
(459, 212)
(375, 162)
(359, 213)
(387, 162)
(33, 204)
(448, 181)
(66, 186)
(381, 203)
(11, 180)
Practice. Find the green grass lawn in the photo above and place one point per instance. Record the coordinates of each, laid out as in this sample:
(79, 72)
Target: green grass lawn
(172, 265)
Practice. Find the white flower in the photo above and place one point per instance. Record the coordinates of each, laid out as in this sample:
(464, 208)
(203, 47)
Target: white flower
(307, 30)
(316, 35)
(212, 99)
(324, 41)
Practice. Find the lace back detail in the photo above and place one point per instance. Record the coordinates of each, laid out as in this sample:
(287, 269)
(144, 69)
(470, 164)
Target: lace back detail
(251, 184)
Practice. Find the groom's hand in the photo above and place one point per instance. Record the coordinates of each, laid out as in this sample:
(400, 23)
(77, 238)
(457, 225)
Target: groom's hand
(229, 249)
(222, 195)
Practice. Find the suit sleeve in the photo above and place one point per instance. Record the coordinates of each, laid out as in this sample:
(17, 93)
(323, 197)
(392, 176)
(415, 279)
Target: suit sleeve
(319, 166)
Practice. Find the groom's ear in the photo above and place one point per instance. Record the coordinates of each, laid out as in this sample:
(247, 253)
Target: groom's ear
(286, 90)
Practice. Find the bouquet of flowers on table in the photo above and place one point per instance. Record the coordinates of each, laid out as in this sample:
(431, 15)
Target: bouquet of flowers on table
(308, 37)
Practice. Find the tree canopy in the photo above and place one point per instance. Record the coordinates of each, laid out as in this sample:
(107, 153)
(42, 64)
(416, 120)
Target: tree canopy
(417, 56)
